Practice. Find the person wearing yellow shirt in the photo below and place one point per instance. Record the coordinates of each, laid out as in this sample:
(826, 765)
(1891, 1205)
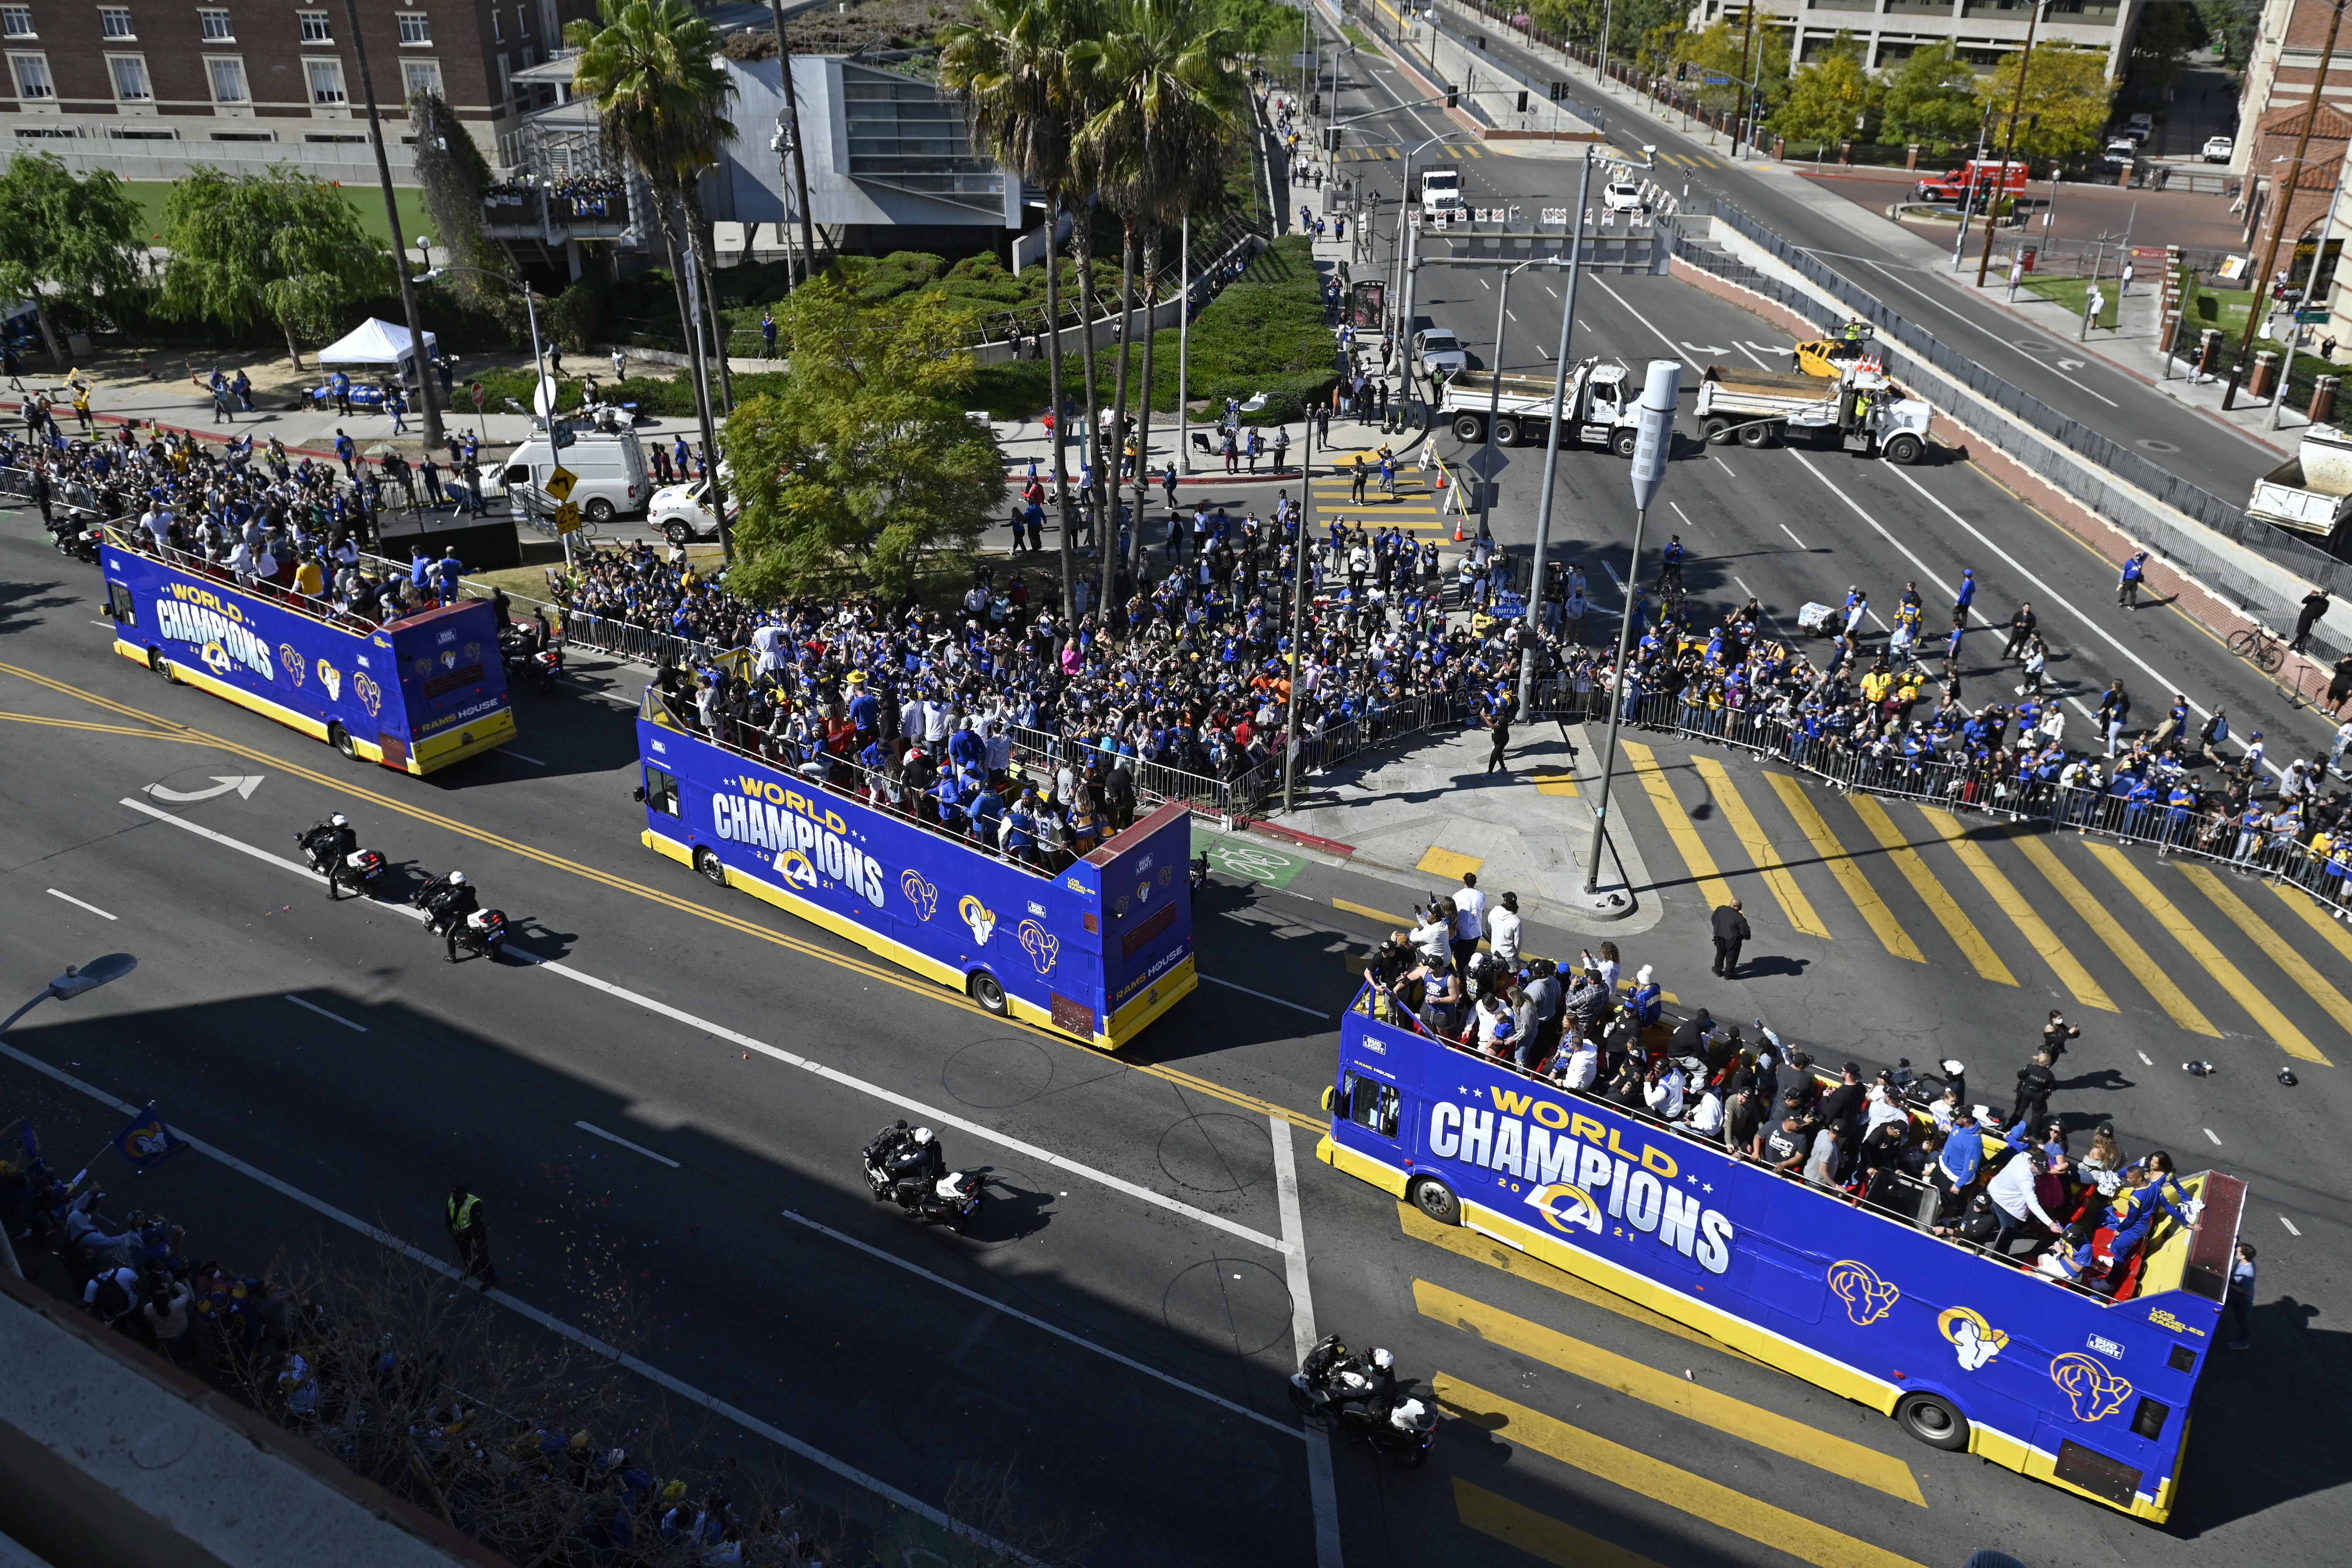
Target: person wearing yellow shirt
(1876, 684)
(309, 580)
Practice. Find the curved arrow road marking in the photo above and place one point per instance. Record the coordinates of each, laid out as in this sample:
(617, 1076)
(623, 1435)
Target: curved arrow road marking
(245, 785)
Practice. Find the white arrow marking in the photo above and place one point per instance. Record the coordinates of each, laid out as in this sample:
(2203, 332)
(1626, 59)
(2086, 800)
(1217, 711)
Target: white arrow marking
(222, 782)
(2072, 363)
(1709, 350)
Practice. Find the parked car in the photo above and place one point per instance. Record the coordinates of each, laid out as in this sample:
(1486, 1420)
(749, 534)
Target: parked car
(2220, 149)
(2122, 151)
(1435, 349)
(1622, 197)
(681, 513)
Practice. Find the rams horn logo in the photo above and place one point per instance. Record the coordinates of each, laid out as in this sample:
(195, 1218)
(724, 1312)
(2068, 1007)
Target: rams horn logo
(292, 660)
(333, 679)
(979, 917)
(2093, 1391)
(1118, 906)
(1581, 1210)
(1167, 875)
(920, 893)
(1043, 945)
(217, 659)
(1977, 1341)
(371, 695)
(449, 659)
(794, 868)
(1867, 1297)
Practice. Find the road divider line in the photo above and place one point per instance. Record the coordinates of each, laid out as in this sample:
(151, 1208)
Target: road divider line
(2121, 943)
(1679, 827)
(1370, 913)
(1287, 1428)
(930, 1113)
(1323, 1490)
(2031, 925)
(1278, 1001)
(1538, 1534)
(333, 1018)
(2298, 968)
(1693, 1402)
(517, 756)
(545, 1319)
(77, 903)
(1932, 893)
(616, 1138)
(1752, 839)
(1739, 1512)
(1858, 889)
(2202, 951)
(2211, 1135)
(2290, 1225)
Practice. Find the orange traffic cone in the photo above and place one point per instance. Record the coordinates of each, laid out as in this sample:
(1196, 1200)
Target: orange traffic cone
(1458, 535)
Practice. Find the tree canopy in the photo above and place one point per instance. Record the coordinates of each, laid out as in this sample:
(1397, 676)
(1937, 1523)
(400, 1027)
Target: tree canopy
(1724, 49)
(2067, 96)
(66, 237)
(275, 246)
(865, 463)
(1831, 98)
(1931, 97)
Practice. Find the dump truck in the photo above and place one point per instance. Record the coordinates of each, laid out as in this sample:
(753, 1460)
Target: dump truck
(1601, 403)
(1864, 410)
(2311, 492)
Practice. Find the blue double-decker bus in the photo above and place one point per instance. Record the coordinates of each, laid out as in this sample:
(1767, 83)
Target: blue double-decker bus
(1094, 951)
(416, 694)
(1966, 1351)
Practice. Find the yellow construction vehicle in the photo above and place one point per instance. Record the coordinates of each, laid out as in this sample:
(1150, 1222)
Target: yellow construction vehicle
(1830, 358)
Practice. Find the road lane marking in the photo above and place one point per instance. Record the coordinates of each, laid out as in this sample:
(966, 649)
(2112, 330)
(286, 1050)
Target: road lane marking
(1751, 836)
(1679, 827)
(517, 756)
(2298, 968)
(100, 728)
(921, 1112)
(1322, 1488)
(77, 903)
(2031, 925)
(545, 1319)
(1932, 893)
(2209, 1133)
(336, 1017)
(2290, 1225)
(2311, 915)
(1850, 876)
(1287, 1428)
(1263, 996)
(1738, 1512)
(616, 1138)
(1370, 913)
(2202, 951)
(1538, 1534)
(1692, 1401)
(1662, 337)
(2121, 943)
(1552, 781)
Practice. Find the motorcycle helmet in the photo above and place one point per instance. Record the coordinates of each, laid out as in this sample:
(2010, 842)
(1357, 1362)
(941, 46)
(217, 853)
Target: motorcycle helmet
(922, 1136)
(1382, 1360)
(338, 820)
(456, 879)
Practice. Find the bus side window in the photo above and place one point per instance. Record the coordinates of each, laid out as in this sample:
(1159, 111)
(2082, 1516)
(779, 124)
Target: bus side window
(121, 605)
(661, 792)
(1370, 1104)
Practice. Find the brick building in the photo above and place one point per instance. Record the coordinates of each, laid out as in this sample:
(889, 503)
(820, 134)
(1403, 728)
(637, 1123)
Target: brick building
(262, 71)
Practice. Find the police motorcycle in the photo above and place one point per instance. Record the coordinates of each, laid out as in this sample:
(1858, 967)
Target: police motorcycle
(906, 1168)
(1199, 874)
(529, 648)
(333, 850)
(1357, 1396)
(453, 913)
(77, 539)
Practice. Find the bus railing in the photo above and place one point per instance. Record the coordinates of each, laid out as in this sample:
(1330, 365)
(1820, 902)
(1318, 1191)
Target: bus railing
(324, 610)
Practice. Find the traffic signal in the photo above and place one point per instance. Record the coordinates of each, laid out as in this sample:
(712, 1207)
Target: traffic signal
(1523, 100)
(1315, 104)
(1559, 91)
(1453, 98)
(1331, 139)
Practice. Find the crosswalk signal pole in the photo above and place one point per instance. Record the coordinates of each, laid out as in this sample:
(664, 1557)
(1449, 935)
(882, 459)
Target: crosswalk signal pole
(1661, 393)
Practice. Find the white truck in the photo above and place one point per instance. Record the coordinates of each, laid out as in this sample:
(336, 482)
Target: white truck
(1863, 408)
(1441, 191)
(2311, 492)
(1601, 394)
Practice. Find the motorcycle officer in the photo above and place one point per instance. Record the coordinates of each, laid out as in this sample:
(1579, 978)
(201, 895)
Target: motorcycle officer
(447, 902)
(329, 842)
(916, 1167)
(1367, 1384)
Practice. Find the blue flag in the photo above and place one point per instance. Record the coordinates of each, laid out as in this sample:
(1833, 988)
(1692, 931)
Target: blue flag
(147, 1142)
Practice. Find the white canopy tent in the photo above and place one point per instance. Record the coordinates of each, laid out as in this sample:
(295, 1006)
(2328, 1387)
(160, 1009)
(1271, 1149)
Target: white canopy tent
(377, 342)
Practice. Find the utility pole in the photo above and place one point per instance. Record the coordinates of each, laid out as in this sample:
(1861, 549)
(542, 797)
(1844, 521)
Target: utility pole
(425, 388)
(792, 134)
(1748, 85)
(1487, 485)
(1298, 624)
(1552, 446)
(1184, 351)
(2016, 111)
(2284, 194)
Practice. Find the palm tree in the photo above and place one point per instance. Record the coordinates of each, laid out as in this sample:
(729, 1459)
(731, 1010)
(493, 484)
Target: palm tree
(648, 67)
(1171, 105)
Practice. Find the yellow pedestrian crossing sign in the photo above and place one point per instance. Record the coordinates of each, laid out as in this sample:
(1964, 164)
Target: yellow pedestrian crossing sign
(567, 516)
(558, 485)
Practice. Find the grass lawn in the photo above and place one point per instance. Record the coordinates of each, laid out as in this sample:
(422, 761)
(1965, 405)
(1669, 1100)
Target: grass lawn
(2226, 309)
(2074, 293)
(367, 200)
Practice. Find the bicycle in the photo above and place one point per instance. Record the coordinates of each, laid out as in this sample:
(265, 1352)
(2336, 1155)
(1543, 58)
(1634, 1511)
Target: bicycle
(2260, 646)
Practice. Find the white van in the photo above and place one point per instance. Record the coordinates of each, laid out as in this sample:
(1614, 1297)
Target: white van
(614, 480)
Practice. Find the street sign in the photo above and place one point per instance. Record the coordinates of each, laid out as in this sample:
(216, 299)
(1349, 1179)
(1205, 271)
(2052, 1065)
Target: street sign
(1714, 79)
(567, 518)
(1488, 461)
(559, 483)
(477, 395)
(2316, 313)
(1510, 606)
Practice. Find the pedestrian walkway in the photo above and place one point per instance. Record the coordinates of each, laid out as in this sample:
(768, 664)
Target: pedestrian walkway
(2096, 924)
(1413, 505)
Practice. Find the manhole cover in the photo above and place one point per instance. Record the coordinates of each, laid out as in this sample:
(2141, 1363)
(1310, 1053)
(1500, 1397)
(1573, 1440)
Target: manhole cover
(2153, 445)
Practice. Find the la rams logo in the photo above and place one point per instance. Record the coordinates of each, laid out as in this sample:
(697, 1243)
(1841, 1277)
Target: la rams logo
(424, 666)
(217, 659)
(979, 917)
(370, 694)
(146, 1142)
(795, 867)
(449, 659)
(473, 650)
(292, 661)
(333, 679)
(1867, 1298)
(1167, 874)
(1043, 945)
(2093, 1391)
(1977, 1341)
(1118, 906)
(920, 893)
(1563, 1205)
(1143, 892)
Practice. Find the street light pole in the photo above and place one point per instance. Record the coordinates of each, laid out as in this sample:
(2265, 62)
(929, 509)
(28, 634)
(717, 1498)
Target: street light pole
(1552, 446)
(425, 399)
(2284, 193)
(2016, 112)
(1184, 351)
(1298, 630)
(1494, 399)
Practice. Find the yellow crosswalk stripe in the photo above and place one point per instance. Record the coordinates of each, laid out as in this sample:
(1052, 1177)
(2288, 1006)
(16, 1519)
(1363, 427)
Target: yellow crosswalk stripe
(1857, 887)
(1538, 1535)
(1940, 903)
(1551, 782)
(1690, 1400)
(1711, 885)
(1370, 913)
(2193, 941)
(2036, 930)
(2120, 943)
(2298, 968)
(2300, 902)
(1793, 902)
(1737, 1511)
(1452, 151)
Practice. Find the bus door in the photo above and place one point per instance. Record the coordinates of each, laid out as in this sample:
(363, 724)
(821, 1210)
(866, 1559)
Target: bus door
(1373, 1106)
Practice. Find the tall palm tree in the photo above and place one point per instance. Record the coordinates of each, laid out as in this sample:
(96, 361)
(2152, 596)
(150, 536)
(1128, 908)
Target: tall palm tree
(1171, 103)
(649, 68)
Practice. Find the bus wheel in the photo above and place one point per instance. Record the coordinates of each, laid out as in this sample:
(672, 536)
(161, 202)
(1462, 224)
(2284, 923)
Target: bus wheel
(985, 991)
(706, 861)
(340, 739)
(1934, 1420)
(1436, 1200)
(162, 667)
